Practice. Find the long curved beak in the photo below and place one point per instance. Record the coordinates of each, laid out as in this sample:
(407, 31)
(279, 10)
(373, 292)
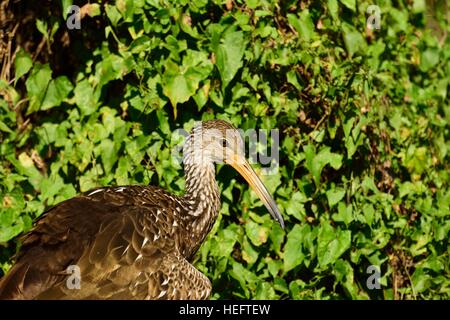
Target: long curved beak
(243, 167)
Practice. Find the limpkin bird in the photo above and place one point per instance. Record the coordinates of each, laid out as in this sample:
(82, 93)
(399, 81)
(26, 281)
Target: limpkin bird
(133, 242)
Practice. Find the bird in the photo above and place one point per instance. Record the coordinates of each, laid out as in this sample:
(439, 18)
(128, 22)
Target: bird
(133, 242)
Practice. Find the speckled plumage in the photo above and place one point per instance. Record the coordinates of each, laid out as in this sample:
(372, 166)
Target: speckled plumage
(130, 242)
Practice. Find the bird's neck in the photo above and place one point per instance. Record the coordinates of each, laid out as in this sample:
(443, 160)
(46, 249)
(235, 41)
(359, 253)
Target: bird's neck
(203, 201)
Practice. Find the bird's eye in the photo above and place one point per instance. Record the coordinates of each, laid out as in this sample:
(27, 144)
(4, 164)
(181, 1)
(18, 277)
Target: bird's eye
(224, 143)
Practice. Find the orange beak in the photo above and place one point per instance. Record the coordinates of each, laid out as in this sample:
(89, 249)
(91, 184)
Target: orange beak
(243, 167)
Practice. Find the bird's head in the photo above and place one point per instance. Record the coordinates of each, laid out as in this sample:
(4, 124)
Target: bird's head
(217, 141)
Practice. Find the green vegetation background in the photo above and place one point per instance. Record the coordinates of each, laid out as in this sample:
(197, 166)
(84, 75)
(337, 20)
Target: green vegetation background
(363, 117)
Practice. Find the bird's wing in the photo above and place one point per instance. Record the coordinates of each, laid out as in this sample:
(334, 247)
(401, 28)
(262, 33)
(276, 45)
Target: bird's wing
(131, 262)
(116, 246)
(166, 278)
(56, 241)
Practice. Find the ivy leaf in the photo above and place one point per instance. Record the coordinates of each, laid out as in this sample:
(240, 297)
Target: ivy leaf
(36, 85)
(335, 195)
(332, 243)
(303, 24)
(333, 8)
(65, 4)
(229, 55)
(428, 59)
(113, 14)
(354, 41)
(108, 154)
(85, 97)
(22, 64)
(178, 90)
(249, 254)
(4, 127)
(316, 162)
(257, 234)
(57, 92)
(293, 255)
(9, 231)
(181, 82)
(351, 4)
(345, 213)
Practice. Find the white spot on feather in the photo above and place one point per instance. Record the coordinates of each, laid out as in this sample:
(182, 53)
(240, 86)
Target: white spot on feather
(161, 294)
(94, 192)
(120, 189)
(126, 249)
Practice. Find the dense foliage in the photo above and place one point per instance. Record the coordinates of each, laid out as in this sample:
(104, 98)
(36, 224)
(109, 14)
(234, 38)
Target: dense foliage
(363, 117)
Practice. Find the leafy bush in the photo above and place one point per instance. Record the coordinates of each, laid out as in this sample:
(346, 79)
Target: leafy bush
(363, 119)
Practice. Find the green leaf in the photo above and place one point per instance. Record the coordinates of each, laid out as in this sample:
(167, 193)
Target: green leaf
(227, 239)
(316, 162)
(249, 254)
(334, 196)
(121, 174)
(229, 55)
(333, 8)
(51, 187)
(42, 27)
(264, 291)
(65, 4)
(178, 90)
(36, 85)
(4, 127)
(303, 24)
(256, 233)
(369, 213)
(274, 266)
(351, 4)
(93, 9)
(354, 41)
(246, 278)
(421, 280)
(111, 68)
(295, 207)
(276, 237)
(25, 166)
(127, 8)
(113, 14)
(419, 6)
(181, 82)
(85, 98)
(57, 91)
(9, 232)
(344, 275)
(428, 59)
(22, 64)
(332, 243)
(293, 255)
(87, 183)
(345, 213)
(108, 154)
